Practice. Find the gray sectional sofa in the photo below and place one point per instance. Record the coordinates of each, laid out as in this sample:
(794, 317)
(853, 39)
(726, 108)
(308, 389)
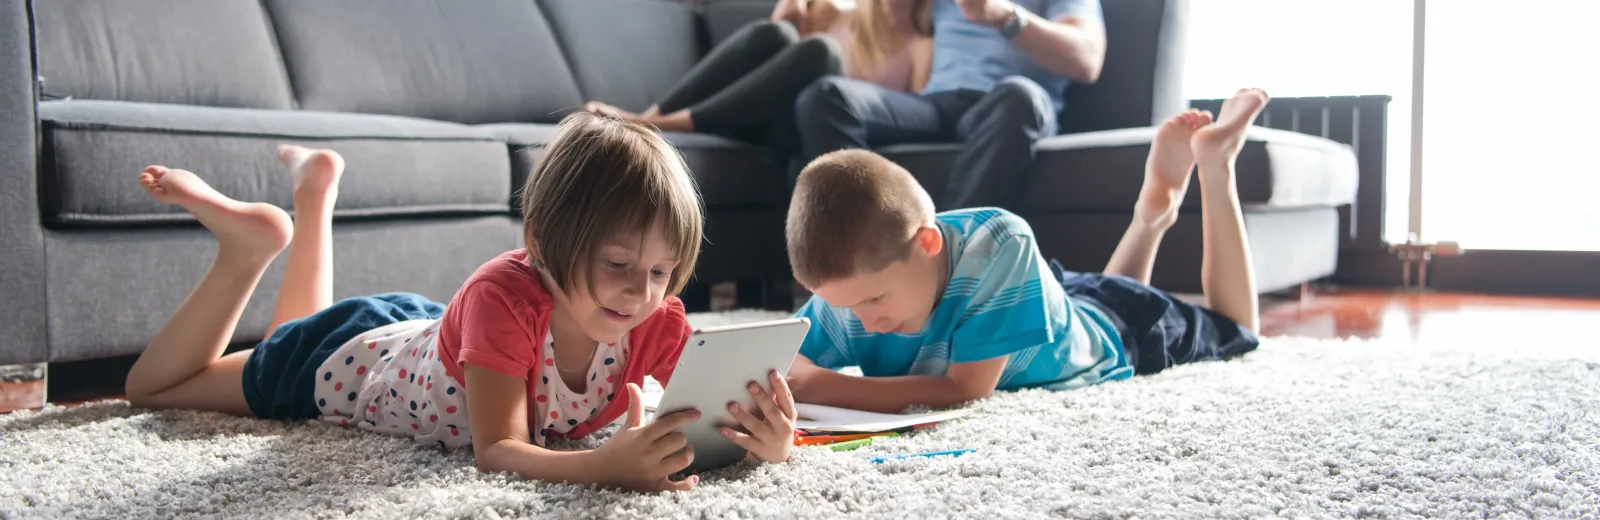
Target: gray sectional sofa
(440, 108)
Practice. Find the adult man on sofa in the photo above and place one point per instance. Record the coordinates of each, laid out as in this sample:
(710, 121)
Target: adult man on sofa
(1000, 71)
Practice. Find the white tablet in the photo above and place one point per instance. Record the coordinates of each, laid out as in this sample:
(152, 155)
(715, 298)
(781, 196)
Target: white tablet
(716, 366)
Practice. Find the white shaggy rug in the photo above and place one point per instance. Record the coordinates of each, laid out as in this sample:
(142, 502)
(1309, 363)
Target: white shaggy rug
(1299, 428)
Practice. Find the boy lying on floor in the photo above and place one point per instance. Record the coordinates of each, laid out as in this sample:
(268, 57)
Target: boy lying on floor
(940, 309)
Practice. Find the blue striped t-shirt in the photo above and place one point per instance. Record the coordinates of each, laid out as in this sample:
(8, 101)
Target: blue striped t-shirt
(999, 301)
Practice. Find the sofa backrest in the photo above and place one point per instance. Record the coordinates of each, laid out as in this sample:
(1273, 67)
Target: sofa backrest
(723, 17)
(484, 61)
(628, 53)
(1142, 82)
(192, 52)
(467, 61)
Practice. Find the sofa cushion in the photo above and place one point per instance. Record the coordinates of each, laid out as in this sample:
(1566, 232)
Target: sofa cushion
(604, 49)
(1287, 246)
(94, 151)
(1102, 171)
(728, 172)
(112, 289)
(193, 52)
(483, 61)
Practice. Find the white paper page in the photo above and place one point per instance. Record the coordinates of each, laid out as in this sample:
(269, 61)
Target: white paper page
(818, 417)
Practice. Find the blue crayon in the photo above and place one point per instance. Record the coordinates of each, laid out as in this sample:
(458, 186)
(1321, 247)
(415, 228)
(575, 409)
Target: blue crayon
(880, 459)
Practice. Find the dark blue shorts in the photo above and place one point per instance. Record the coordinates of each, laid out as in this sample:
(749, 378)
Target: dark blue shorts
(1159, 331)
(280, 374)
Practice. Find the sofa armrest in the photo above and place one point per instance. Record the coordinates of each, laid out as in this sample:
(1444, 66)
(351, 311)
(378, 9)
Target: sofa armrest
(22, 269)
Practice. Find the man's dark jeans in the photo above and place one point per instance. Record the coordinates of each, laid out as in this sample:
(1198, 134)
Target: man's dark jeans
(997, 130)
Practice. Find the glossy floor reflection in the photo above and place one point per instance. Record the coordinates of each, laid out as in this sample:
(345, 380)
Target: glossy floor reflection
(1434, 317)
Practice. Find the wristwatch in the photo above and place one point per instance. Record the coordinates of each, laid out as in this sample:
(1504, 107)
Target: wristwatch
(1014, 27)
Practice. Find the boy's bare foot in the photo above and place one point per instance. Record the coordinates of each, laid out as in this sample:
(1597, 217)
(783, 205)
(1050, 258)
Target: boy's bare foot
(1166, 173)
(258, 231)
(316, 172)
(1219, 143)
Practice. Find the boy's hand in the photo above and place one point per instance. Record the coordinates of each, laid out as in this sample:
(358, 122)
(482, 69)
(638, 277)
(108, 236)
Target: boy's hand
(772, 434)
(801, 376)
(640, 457)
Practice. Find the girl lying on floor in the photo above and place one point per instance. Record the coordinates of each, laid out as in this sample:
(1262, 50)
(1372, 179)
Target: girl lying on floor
(553, 338)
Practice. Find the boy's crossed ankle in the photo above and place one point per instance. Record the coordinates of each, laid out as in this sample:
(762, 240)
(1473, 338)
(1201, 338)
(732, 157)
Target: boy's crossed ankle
(1166, 174)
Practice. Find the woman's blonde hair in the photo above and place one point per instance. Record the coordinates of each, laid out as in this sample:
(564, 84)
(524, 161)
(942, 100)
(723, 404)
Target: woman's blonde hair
(602, 177)
(870, 41)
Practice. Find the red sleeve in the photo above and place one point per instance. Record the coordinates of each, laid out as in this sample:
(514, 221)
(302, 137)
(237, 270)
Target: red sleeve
(494, 330)
(669, 337)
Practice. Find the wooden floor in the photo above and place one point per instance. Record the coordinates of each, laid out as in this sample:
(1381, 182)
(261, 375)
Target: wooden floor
(1348, 313)
(1431, 316)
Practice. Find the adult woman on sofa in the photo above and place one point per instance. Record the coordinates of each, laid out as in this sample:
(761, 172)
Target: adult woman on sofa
(745, 88)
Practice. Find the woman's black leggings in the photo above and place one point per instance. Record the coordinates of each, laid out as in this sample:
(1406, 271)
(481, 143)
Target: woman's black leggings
(745, 88)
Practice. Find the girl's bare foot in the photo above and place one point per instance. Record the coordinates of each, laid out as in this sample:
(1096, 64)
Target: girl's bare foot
(316, 172)
(679, 121)
(1166, 174)
(255, 230)
(611, 111)
(1219, 143)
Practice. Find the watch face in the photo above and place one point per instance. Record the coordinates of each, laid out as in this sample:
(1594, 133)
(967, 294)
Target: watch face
(1013, 27)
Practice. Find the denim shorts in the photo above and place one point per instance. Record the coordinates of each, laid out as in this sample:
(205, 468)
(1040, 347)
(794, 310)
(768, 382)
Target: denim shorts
(280, 375)
(1158, 330)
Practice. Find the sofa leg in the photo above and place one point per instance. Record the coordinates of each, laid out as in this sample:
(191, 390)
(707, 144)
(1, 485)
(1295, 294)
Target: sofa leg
(1304, 292)
(22, 387)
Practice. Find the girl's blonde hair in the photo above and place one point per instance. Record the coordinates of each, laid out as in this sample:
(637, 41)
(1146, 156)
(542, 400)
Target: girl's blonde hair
(602, 177)
(870, 41)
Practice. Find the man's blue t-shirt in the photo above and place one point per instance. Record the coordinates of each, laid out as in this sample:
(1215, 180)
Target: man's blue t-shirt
(971, 56)
(999, 301)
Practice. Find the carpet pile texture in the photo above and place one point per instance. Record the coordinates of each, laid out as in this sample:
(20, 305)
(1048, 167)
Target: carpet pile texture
(1299, 428)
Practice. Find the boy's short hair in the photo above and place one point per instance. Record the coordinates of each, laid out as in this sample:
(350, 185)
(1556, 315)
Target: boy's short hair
(852, 211)
(600, 177)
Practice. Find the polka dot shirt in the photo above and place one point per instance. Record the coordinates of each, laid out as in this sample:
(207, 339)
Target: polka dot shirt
(561, 407)
(390, 380)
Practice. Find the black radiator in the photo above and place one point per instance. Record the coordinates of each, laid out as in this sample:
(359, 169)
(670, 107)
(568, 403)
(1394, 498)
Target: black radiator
(1359, 121)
